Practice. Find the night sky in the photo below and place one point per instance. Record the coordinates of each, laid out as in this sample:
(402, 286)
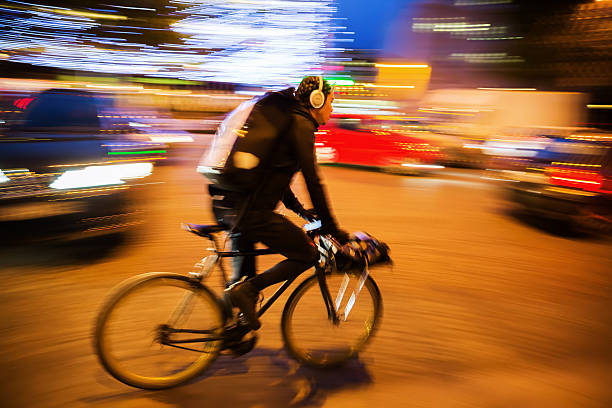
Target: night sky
(370, 19)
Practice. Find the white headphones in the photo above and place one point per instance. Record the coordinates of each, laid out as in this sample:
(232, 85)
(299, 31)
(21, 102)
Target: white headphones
(317, 97)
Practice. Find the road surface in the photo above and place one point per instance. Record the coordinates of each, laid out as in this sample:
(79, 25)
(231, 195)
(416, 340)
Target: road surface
(481, 309)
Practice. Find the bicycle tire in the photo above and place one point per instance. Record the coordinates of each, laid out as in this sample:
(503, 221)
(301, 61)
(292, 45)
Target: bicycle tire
(124, 340)
(311, 338)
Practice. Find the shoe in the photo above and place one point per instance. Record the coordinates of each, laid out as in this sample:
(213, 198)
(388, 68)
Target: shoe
(244, 296)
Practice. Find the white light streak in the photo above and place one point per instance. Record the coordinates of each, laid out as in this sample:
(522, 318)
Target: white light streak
(401, 66)
(423, 166)
(599, 106)
(129, 7)
(387, 86)
(508, 89)
(265, 43)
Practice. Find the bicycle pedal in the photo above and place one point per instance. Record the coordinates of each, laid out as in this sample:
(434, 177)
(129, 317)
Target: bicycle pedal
(243, 347)
(237, 330)
(233, 334)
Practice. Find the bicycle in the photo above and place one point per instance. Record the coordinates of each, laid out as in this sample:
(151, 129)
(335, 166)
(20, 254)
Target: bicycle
(159, 330)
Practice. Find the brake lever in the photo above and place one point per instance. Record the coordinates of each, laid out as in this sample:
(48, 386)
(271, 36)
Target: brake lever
(311, 226)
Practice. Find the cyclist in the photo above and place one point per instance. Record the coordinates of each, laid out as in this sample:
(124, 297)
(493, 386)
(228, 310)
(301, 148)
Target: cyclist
(258, 222)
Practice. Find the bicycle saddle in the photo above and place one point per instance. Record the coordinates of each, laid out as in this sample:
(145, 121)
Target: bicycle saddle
(202, 230)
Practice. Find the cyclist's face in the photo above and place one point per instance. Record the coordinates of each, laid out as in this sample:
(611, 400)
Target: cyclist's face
(323, 114)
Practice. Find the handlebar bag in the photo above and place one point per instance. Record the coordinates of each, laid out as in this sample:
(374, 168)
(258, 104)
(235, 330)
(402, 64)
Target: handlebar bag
(362, 248)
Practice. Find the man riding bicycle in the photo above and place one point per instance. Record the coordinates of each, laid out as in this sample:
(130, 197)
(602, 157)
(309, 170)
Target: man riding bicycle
(251, 216)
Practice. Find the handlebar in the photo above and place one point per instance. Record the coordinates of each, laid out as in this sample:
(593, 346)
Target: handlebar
(312, 226)
(361, 250)
(325, 242)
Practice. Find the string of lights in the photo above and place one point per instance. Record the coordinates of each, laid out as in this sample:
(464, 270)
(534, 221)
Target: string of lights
(261, 42)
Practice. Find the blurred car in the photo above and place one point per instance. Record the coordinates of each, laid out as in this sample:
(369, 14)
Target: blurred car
(371, 142)
(65, 172)
(567, 179)
(460, 144)
(158, 127)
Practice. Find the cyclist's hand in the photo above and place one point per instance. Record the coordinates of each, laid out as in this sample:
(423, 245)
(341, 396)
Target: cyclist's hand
(341, 236)
(309, 215)
(331, 228)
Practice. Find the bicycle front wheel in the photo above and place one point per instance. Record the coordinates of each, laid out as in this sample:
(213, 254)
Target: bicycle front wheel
(312, 338)
(158, 330)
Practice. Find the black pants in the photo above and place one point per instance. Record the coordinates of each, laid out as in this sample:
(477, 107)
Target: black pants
(278, 234)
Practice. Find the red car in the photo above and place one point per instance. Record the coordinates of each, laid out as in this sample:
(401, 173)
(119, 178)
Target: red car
(372, 142)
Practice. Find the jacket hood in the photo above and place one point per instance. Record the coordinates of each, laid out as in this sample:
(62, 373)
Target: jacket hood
(286, 100)
(285, 97)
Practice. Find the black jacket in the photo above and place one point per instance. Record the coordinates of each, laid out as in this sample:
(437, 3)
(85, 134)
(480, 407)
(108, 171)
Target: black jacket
(294, 152)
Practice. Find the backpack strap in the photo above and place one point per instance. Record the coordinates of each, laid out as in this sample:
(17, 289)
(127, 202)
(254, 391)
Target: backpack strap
(251, 197)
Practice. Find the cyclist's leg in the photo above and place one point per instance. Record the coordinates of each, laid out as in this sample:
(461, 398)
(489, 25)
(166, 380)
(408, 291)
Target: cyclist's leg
(283, 236)
(225, 212)
(242, 265)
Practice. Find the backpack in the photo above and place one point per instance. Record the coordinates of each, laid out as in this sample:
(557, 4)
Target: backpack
(238, 156)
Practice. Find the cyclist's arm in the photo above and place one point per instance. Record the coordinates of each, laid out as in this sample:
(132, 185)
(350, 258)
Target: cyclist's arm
(303, 138)
(292, 203)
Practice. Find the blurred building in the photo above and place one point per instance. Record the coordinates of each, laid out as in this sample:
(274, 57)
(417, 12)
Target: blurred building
(544, 45)
(571, 50)
(468, 43)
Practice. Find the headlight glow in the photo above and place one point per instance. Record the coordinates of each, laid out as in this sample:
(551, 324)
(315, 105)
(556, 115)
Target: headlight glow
(93, 176)
(3, 178)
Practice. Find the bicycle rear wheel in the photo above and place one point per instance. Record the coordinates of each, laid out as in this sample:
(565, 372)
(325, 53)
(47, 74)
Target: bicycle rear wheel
(312, 338)
(135, 335)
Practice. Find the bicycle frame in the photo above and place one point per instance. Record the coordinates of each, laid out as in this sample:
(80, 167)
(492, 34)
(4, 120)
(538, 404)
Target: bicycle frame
(166, 330)
(319, 270)
(326, 264)
(187, 324)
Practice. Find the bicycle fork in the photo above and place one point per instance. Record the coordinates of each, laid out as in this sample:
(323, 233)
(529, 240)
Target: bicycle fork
(351, 302)
(333, 307)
